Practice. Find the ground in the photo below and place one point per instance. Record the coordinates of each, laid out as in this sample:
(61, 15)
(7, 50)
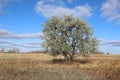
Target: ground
(44, 67)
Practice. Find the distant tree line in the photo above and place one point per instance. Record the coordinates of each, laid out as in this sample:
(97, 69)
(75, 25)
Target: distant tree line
(37, 51)
(2, 50)
(14, 50)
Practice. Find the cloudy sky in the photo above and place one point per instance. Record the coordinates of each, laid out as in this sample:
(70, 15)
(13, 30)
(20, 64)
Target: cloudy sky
(20, 21)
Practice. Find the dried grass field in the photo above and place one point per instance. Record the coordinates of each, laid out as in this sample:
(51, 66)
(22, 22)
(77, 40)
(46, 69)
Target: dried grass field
(44, 67)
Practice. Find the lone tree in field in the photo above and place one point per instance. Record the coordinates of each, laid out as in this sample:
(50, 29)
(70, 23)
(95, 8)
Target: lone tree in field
(69, 37)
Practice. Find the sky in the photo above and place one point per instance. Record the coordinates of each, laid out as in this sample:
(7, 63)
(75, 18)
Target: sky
(21, 21)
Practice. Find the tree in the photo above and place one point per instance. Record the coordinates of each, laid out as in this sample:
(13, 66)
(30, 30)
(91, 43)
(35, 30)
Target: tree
(68, 36)
(14, 50)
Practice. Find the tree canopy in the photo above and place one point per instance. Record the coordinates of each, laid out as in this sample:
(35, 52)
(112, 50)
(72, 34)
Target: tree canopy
(68, 36)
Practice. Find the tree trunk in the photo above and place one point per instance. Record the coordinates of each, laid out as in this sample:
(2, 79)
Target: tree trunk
(64, 53)
(68, 56)
(71, 57)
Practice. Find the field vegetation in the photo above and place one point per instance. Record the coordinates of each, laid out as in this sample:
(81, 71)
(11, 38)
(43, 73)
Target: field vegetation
(44, 67)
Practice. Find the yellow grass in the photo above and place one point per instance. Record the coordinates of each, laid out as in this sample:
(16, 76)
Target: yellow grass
(101, 66)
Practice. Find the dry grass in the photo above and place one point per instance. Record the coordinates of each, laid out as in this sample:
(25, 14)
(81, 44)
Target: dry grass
(44, 67)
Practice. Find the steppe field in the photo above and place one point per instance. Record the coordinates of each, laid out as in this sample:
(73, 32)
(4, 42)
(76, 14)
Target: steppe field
(33, 66)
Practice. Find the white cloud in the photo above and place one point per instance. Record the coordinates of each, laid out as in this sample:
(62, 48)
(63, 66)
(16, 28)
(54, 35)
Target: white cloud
(111, 46)
(48, 10)
(111, 43)
(23, 45)
(69, 1)
(33, 43)
(7, 34)
(3, 3)
(111, 10)
(4, 42)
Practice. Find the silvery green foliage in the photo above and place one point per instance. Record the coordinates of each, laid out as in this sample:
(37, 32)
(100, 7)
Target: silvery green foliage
(68, 36)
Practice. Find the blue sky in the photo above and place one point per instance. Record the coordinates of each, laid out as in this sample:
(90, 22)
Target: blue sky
(20, 21)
